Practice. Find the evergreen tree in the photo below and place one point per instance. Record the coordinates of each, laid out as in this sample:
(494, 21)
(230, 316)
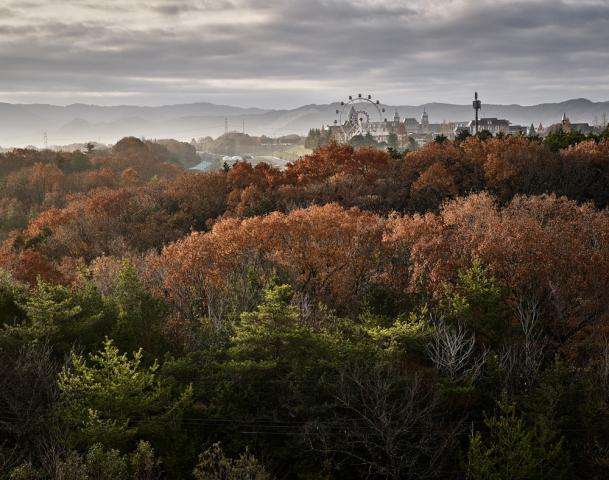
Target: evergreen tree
(139, 315)
(215, 465)
(54, 312)
(512, 451)
(392, 141)
(111, 399)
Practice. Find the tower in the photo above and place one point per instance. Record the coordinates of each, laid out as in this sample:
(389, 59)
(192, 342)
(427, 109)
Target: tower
(565, 123)
(477, 104)
(396, 118)
(532, 131)
(424, 121)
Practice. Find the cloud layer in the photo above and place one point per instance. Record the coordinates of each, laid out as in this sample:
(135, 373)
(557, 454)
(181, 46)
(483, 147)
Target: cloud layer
(288, 52)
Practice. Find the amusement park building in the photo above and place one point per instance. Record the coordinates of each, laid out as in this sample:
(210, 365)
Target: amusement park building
(380, 130)
(492, 125)
(353, 122)
(566, 126)
(407, 130)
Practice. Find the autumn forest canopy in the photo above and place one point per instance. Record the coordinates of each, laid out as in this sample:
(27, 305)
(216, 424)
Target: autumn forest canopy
(442, 313)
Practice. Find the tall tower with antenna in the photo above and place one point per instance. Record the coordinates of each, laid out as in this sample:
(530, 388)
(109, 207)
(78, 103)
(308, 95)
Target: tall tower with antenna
(45, 140)
(477, 104)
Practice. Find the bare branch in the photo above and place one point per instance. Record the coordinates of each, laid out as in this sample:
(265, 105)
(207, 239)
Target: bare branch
(453, 352)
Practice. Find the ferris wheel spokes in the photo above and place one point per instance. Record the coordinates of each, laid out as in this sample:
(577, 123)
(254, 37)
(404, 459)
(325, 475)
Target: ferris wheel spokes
(358, 115)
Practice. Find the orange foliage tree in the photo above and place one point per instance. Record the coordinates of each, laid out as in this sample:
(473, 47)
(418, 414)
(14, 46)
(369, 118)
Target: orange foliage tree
(545, 251)
(329, 254)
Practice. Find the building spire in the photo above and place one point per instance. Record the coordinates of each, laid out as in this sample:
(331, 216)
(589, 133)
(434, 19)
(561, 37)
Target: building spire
(532, 132)
(424, 120)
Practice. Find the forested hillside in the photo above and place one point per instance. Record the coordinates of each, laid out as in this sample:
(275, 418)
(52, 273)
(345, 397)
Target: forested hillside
(437, 314)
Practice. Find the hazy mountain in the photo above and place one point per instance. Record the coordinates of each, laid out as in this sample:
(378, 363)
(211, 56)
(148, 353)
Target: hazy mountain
(22, 124)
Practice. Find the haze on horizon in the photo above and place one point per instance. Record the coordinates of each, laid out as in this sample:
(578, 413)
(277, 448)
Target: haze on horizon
(282, 54)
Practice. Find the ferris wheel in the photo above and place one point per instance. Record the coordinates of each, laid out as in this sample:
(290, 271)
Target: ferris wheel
(357, 115)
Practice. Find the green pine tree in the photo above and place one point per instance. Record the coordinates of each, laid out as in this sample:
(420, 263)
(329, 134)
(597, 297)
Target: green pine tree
(139, 315)
(513, 451)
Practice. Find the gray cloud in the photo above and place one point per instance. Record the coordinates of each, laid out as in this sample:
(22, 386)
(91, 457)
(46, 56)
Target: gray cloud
(285, 53)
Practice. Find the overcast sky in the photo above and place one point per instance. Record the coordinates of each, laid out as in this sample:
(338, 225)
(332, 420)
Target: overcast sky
(287, 53)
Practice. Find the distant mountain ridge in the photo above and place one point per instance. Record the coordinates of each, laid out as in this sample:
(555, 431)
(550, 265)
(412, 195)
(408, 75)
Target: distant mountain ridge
(25, 124)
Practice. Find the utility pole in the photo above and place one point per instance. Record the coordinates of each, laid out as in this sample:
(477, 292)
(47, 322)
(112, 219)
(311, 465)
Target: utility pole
(477, 104)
